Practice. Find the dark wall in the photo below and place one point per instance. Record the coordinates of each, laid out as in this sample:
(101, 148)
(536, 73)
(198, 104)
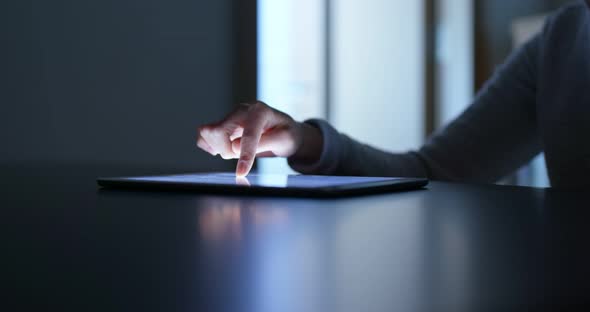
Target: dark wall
(493, 19)
(115, 81)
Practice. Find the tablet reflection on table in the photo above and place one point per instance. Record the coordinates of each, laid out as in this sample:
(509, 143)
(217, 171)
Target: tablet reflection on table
(223, 219)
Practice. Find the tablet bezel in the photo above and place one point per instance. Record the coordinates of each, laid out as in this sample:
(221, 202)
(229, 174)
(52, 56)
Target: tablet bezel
(350, 189)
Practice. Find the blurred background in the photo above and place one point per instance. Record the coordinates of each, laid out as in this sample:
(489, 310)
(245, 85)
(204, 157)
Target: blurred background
(125, 83)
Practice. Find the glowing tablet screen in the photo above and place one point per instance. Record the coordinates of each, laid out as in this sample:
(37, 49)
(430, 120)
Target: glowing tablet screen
(263, 180)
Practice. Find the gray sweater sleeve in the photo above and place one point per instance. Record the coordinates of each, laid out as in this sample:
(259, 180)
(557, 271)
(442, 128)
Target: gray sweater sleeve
(490, 139)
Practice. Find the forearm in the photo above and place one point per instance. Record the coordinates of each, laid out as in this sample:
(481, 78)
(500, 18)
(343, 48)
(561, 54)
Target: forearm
(359, 159)
(495, 136)
(341, 155)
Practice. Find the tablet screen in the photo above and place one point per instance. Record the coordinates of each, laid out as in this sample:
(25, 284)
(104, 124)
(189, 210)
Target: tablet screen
(263, 180)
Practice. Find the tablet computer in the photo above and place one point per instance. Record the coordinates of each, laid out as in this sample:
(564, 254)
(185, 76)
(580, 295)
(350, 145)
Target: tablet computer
(266, 184)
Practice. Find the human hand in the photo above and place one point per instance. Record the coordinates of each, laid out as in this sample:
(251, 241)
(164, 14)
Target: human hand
(258, 130)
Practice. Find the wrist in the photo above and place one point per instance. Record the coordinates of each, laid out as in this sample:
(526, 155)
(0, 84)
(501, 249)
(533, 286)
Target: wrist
(310, 145)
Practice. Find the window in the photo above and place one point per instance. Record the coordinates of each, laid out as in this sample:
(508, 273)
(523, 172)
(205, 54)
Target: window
(357, 63)
(291, 68)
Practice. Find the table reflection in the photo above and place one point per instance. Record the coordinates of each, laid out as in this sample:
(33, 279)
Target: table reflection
(394, 252)
(225, 219)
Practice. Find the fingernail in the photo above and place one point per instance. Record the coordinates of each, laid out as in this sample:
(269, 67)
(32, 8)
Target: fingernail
(242, 169)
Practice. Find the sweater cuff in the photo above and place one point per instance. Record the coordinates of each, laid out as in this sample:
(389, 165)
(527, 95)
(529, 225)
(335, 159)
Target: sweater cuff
(329, 158)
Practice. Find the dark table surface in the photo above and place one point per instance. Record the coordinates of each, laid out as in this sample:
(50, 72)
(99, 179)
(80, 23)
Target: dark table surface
(453, 247)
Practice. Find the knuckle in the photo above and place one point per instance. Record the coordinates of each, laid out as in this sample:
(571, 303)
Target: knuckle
(216, 131)
(244, 106)
(258, 107)
(259, 104)
(204, 130)
(246, 155)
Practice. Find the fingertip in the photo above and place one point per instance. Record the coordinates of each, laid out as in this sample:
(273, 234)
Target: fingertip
(243, 168)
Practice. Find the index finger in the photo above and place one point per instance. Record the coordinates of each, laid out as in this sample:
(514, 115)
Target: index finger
(249, 143)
